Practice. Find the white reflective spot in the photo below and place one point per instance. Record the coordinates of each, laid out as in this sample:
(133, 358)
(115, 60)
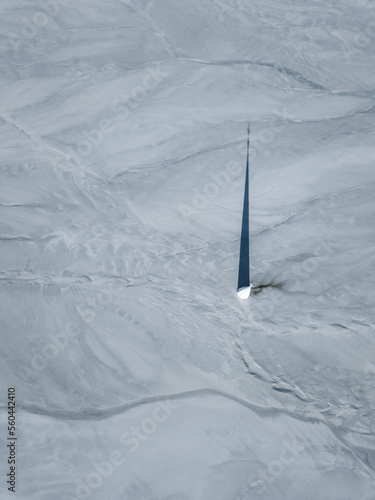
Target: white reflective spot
(244, 292)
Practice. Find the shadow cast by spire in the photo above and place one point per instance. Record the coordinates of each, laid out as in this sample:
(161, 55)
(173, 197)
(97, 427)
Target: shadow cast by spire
(244, 261)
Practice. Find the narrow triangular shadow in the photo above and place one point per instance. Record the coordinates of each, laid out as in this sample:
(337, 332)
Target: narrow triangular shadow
(244, 262)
